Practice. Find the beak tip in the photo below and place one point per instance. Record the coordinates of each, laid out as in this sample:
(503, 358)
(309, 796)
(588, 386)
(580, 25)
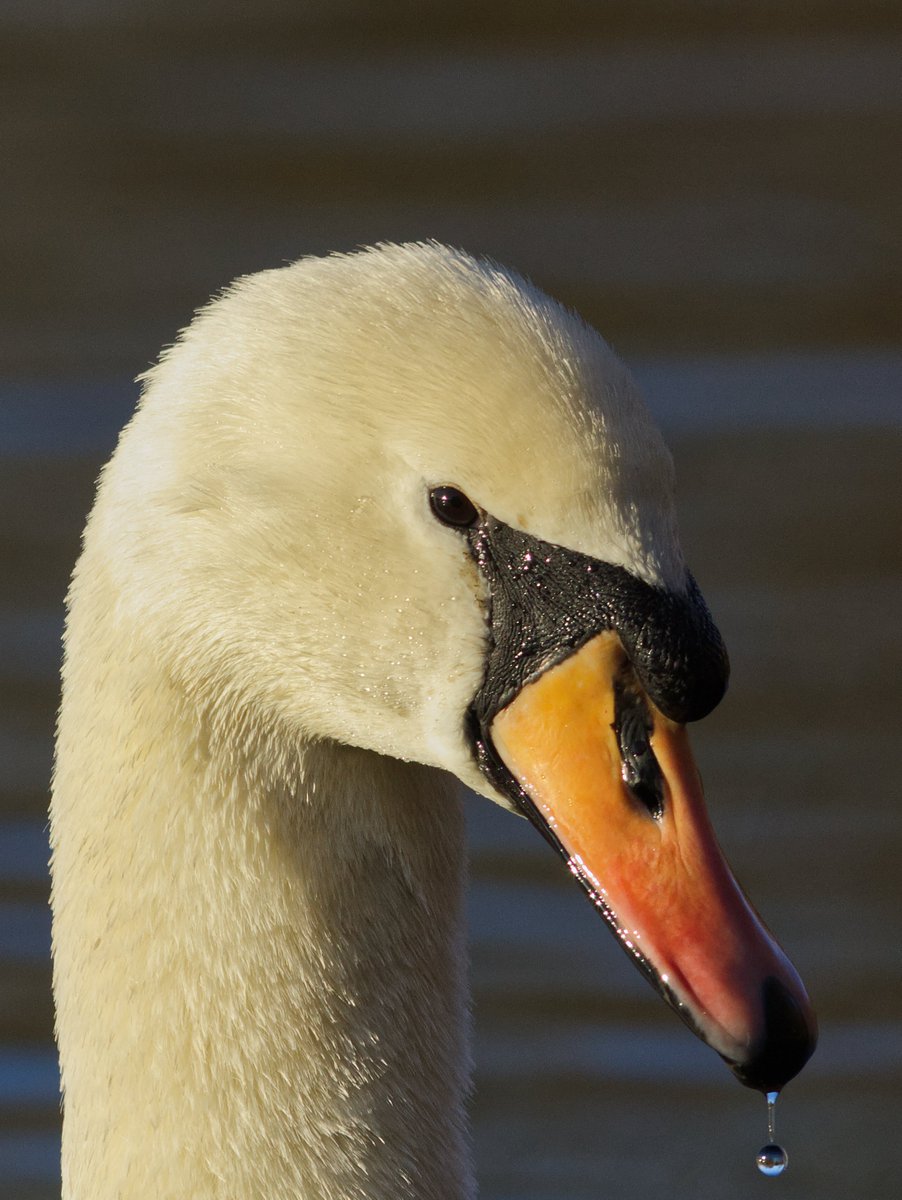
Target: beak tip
(788, 1041)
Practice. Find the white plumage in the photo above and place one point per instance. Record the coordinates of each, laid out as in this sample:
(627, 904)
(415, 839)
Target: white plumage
(257, 840)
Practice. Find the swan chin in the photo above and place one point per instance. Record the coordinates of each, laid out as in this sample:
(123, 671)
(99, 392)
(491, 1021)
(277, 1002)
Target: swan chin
(383, 522)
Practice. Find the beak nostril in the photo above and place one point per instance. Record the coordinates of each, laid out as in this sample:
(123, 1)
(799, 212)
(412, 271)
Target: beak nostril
(633, 726)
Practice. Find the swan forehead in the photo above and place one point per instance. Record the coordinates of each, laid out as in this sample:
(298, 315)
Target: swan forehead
(420, 365)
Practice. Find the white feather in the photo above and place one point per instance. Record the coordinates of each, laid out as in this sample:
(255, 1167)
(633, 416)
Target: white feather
(271, 644)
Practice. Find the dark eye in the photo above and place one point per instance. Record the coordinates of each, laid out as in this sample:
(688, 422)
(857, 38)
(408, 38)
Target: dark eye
(452, 507)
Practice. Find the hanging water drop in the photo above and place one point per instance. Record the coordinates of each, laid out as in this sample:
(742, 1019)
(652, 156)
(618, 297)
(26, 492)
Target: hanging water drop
(772, 1158)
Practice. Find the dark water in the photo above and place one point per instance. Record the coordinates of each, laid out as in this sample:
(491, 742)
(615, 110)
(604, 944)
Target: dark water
(723, 200)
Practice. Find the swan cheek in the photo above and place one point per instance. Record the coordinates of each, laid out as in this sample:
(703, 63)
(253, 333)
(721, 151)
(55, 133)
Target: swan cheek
(621, 798)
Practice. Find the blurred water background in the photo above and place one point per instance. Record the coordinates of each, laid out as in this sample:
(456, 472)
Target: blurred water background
(717, 187)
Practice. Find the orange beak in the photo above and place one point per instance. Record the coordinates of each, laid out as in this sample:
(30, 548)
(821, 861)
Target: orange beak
(613, 783)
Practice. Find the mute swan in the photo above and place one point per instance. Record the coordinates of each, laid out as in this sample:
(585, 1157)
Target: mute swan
(382, 522)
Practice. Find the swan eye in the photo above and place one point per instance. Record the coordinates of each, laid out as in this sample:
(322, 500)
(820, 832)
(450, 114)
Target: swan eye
(452, 507)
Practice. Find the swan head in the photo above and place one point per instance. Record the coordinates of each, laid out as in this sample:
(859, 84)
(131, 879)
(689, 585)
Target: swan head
(403, 500)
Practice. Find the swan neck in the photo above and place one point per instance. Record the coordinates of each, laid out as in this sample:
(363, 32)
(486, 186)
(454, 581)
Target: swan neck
(258, 954)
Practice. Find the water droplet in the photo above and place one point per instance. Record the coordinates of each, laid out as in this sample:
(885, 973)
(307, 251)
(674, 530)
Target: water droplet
(771, 1098)
(772, 1159)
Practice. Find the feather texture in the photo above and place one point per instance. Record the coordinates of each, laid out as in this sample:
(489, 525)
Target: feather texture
(271, 645)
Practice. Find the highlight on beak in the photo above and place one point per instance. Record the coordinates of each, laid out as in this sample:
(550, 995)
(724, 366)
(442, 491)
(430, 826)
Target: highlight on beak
(612, 783)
